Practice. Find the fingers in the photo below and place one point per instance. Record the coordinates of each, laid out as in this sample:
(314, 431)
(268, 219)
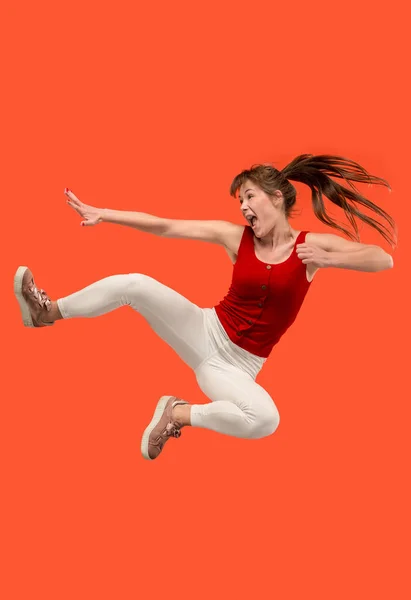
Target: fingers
(305, 257)
(76, 207)
(304, 249)
(71, 196)
(79, 207)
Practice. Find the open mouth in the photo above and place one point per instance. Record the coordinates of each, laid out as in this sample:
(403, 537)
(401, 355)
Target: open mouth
(251, 220)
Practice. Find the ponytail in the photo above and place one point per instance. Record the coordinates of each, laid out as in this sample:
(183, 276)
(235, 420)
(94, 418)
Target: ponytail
(316, 172)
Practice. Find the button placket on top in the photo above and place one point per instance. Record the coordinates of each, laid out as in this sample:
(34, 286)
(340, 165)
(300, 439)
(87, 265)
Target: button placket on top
(260, 304)
(265, 286)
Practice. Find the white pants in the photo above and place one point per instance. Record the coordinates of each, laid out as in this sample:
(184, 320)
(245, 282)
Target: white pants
(225, 372)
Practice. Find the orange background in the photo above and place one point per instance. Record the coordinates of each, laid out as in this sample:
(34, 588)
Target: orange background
(156, 109)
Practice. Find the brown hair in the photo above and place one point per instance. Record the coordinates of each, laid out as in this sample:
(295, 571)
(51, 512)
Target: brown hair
(316, 172)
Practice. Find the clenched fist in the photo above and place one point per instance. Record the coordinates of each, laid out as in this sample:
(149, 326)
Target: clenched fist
(312, 255)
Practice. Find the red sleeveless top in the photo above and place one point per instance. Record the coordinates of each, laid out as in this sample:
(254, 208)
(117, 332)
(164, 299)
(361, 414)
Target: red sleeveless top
(263, 299)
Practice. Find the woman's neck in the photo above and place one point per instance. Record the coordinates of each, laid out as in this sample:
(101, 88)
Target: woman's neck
(281, 235)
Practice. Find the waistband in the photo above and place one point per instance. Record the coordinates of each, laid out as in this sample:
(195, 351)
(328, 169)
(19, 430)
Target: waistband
(244, 357)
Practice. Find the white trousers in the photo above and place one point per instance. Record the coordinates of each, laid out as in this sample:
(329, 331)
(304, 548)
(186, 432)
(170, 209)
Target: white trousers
(225, 372)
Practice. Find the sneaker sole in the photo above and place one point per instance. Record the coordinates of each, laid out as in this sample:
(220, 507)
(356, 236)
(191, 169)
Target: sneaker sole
(158, 413)
(18, 285)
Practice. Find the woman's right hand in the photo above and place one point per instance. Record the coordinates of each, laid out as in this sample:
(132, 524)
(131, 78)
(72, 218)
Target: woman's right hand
(90, 214)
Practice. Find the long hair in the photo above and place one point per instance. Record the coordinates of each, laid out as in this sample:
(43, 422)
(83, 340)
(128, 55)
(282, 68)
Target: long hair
(316, 172)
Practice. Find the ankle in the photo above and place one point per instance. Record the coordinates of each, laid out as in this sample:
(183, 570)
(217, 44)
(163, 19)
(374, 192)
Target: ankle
(54, 314)
(182, 414)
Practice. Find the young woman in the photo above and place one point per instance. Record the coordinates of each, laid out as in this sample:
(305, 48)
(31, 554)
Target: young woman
(274, 266)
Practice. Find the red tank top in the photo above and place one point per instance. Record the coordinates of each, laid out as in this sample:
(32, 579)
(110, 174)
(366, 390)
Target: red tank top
(263, 299)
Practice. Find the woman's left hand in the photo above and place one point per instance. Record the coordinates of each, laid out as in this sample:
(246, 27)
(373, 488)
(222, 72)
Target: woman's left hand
(312, 255)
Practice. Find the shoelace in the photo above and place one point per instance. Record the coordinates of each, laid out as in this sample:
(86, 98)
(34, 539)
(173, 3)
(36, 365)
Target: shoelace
(40, 296)
(173, 430)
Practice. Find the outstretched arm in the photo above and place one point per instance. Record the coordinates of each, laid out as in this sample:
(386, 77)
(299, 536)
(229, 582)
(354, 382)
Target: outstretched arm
(329, 250)
(218, 232)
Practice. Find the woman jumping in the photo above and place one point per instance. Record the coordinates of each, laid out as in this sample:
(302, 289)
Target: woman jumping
(274, 265)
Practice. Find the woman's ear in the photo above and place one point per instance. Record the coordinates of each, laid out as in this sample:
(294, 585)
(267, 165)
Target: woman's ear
(278, 198)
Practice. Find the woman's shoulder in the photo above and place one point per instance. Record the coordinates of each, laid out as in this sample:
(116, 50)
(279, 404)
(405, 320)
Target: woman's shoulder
(233, 237)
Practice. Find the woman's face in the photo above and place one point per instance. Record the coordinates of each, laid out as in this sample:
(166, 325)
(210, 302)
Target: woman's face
(259, 209)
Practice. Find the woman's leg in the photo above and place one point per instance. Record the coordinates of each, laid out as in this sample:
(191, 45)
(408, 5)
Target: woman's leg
(240, 407)
(173, 317)
(179, 322)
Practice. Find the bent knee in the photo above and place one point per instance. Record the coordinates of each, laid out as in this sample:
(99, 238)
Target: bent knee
(132, 289)
(136, 286)
(138, 279)
(264, 425)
